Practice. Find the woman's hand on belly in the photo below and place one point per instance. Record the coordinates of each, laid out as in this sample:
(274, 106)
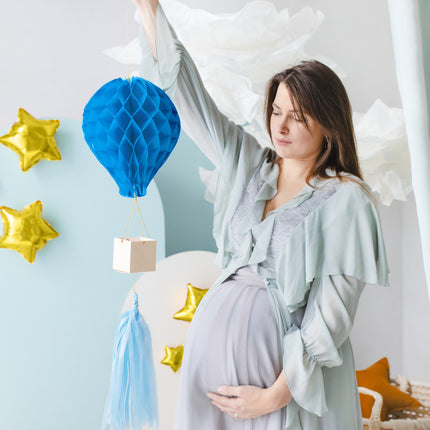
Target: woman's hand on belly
(247, 401)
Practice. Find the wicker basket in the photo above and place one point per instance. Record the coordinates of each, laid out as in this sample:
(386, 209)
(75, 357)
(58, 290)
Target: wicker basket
(418, 390)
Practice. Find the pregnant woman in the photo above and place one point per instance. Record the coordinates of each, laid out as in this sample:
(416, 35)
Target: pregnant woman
(298, 238)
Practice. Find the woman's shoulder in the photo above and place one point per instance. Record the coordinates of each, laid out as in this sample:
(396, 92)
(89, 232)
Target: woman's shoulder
(352, 190)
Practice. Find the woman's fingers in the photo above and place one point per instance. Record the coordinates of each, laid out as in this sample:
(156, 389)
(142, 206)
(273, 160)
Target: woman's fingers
(225, 404)
(225, 408)
(243, 401)
(231, 402)
(229, 390)
(228, 411)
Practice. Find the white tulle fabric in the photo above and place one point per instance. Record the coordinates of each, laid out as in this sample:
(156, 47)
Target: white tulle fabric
(383, 151)
(237, 53)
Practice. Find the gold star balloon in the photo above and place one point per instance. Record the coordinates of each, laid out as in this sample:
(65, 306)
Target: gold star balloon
(32, 139)
(173, 357)
(194, 297)
(25, 231)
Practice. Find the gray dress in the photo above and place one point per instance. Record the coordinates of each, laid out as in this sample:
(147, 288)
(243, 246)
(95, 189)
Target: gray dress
(290, 284)
(232, 340)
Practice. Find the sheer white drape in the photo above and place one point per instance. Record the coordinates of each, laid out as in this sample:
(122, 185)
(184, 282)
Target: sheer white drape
(237, 53)
(410, 41)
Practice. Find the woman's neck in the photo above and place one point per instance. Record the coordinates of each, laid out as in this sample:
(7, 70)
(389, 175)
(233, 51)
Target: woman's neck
(291, 170)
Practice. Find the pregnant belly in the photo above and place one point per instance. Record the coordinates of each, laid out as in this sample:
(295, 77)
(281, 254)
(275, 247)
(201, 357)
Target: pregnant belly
(232, 339)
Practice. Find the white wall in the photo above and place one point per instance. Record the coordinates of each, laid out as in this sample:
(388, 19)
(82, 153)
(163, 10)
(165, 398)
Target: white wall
(378, 326)
(416, 305)
(51, 60)
(51, 63)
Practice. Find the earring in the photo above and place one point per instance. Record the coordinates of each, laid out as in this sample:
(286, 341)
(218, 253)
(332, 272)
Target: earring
(325, 145)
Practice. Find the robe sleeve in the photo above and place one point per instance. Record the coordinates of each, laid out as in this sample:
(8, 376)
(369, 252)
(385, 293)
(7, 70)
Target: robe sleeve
(175, 72)
(326, 262)
(326, 324)
(235, 153)
(342, 236)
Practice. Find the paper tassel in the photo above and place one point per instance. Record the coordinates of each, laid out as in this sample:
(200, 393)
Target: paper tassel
(132, 398)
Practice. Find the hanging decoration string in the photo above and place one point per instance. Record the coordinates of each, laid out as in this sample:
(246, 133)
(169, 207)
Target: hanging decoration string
(142, 222)
(135, 208)
(129, 222)
(128, 41)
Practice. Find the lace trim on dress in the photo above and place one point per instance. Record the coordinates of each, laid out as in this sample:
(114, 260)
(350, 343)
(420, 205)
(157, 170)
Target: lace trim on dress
(260, 242)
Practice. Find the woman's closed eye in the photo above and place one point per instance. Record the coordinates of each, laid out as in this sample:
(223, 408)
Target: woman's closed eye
(295, 118)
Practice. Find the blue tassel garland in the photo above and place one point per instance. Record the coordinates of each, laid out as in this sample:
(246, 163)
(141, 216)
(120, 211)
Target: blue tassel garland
(132, 398)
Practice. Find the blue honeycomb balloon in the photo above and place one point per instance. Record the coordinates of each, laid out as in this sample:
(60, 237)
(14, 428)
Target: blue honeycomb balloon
(131, 126)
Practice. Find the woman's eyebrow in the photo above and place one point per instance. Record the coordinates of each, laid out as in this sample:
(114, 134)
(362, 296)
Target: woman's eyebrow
(277, 107)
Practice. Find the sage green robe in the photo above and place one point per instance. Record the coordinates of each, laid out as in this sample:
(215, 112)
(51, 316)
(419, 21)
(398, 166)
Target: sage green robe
(315, 254)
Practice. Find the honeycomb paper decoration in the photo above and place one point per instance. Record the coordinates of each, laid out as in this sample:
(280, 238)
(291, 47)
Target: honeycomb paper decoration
(131, 126)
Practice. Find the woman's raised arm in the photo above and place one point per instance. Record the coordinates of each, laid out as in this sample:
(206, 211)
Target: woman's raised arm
(147, 11)
(167, 63)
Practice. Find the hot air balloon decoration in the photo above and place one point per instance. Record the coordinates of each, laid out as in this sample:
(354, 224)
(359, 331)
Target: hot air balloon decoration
(131, 126)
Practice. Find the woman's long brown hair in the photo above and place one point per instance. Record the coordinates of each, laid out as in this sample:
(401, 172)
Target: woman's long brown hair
(317, 91)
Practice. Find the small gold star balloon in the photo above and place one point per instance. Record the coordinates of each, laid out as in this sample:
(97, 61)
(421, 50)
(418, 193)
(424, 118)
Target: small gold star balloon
(25, 231)
(32, 139)
(173, 357)
(194, 297)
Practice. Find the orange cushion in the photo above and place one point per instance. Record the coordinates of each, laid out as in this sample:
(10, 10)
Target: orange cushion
(377, 378)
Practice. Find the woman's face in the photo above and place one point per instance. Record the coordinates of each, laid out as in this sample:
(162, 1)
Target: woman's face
(290, 136)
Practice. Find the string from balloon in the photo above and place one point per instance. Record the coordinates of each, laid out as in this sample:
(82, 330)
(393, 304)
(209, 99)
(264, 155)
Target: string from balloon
(128, 41)
(142, 222)
(134, 283)
(135, 208)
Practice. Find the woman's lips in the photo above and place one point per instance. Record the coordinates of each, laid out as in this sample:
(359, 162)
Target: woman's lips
(283, 142)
